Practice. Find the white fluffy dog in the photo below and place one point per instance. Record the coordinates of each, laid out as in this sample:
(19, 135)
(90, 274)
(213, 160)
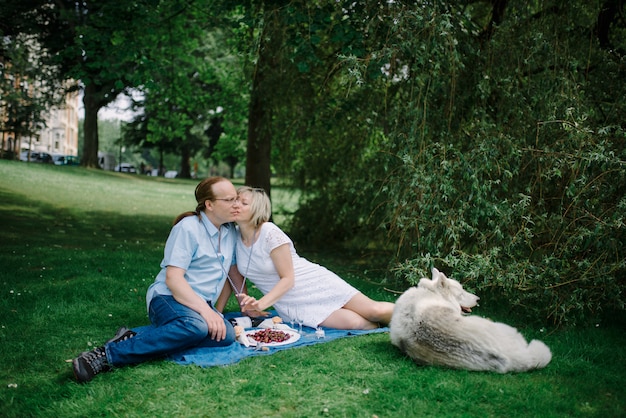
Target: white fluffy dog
(429, 326)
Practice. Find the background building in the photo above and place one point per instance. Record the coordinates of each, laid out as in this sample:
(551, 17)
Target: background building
(60, 135)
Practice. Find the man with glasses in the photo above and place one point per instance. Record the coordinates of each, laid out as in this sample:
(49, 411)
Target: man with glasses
(185, 301)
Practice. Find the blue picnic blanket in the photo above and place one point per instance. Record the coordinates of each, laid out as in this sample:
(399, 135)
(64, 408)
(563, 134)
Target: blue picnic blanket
(221, 356)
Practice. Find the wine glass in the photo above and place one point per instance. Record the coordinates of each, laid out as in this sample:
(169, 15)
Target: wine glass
(292, 321)
(319, 333)
(299, 320)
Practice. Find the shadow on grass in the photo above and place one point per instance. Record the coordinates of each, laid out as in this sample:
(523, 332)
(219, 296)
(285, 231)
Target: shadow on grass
(25, 221)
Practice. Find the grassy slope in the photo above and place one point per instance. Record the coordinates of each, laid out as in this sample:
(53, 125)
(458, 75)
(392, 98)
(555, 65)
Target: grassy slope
(78, 249)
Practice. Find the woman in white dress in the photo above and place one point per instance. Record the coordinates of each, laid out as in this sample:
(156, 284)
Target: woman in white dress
(294, 286)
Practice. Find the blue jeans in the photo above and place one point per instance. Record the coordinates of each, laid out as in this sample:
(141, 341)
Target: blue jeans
(175, 327)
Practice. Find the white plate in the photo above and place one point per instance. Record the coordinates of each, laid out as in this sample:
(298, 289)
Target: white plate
(293, 337)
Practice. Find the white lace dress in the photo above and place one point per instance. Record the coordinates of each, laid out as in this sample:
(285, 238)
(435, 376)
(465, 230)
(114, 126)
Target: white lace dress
(317, 291)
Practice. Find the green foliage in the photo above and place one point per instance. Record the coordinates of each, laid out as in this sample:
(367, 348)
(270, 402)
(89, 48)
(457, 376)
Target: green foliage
(112, 47)
(24, 66)
(526, 198)
(490, 148)
(191, 74)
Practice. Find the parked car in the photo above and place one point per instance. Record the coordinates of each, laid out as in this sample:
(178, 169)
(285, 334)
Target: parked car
(72, 160)
(125, 168)
(60, 159)
(37, 157)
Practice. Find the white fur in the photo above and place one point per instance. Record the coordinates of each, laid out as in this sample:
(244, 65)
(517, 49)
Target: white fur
(429, 326)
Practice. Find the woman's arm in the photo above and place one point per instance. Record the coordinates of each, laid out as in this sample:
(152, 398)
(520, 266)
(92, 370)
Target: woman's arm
(281, 257)
(184, 294)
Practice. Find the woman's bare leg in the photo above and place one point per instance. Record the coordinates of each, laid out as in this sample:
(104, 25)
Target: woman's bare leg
(360, 312)
(347, 319)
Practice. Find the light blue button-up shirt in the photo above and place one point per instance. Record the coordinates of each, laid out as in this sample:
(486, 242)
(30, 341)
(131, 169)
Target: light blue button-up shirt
(205, 254)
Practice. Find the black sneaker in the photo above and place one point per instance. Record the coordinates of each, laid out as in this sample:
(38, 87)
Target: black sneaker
(89, 364)
(122, 334)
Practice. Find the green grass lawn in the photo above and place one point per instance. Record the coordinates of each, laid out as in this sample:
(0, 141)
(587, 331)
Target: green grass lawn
(79, 249)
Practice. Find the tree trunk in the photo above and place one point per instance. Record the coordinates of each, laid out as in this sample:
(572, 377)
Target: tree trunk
(161, 166)
(609, 13)
(90, 146)
(185, 166)
(259, 146)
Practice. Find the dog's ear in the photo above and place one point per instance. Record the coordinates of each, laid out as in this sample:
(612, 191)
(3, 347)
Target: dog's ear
(439, 279)
(435, 273)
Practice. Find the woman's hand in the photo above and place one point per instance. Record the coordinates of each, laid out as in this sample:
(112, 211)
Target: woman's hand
(256, 314)
(250, 306)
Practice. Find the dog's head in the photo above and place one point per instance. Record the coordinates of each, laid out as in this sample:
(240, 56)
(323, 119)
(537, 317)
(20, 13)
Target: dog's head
(451, 290)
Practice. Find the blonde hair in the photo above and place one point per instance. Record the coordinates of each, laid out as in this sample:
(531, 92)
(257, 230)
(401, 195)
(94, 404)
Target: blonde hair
(260, 205)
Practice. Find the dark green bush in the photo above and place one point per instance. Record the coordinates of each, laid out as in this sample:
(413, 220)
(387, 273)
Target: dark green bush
(552, 243)
(524, 195)
(497, 155)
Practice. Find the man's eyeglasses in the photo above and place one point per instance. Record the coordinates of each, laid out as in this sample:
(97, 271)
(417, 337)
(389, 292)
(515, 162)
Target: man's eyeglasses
(229, 201)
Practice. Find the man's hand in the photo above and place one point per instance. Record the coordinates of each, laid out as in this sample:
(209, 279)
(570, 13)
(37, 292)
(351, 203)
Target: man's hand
(217, 327)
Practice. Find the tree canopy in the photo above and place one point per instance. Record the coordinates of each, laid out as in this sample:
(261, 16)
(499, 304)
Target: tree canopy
(483, 137)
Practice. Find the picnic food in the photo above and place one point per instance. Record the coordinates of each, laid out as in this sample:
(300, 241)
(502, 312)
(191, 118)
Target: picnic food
(241, 336)
(238, 330)
(269, 335)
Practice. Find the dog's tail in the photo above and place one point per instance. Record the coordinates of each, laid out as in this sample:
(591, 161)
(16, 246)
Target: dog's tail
(541, 354)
